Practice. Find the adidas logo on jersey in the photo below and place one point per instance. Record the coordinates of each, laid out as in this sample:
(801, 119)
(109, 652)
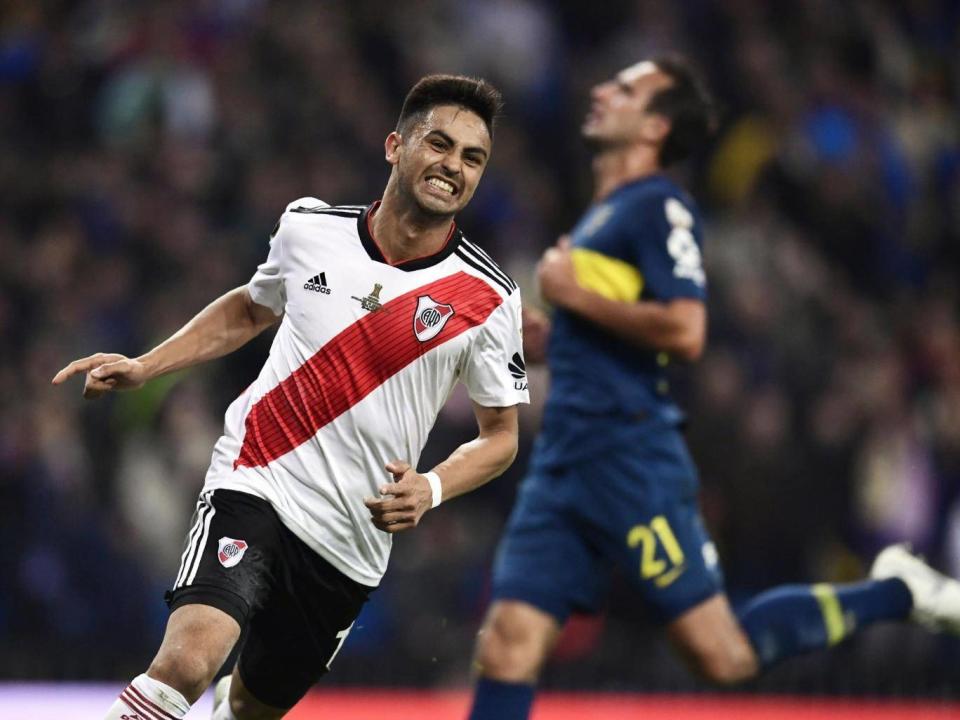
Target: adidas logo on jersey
(318, 283)
(518, 369)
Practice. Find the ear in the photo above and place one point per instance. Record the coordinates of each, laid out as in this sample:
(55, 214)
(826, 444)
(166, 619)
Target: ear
(392, 147)
(655, 128)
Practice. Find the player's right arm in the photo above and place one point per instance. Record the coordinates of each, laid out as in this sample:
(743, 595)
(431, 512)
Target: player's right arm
(227, 323)
(536, 333)
(672, 318)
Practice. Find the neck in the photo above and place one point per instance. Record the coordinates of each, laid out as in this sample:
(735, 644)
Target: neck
(616, 166)
(403, 231)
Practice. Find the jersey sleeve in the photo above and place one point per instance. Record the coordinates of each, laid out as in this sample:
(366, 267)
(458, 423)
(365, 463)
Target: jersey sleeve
(670, 249)
(494, 371)
(266, 286)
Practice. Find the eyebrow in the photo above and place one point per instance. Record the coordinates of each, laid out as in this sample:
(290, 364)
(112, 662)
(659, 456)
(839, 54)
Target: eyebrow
(451, 141)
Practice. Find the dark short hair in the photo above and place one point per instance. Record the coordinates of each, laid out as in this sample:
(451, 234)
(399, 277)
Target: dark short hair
(687, 104)
(474, 94)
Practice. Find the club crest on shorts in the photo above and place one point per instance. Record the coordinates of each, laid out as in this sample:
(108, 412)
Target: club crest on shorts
(430, 317)
(231, 551)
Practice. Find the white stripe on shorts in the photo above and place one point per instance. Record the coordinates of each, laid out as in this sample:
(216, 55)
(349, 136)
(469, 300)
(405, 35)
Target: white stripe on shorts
(201, 544)
(192, 548)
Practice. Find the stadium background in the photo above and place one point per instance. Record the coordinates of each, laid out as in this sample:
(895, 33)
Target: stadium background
(146, 150)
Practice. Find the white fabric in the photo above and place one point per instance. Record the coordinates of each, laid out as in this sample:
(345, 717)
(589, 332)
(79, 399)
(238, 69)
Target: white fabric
(145, 698)
(223, 712)
(318, 487)
(221, 700)
(436, 488)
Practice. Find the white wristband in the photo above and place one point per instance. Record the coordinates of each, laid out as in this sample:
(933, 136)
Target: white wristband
(435, 489)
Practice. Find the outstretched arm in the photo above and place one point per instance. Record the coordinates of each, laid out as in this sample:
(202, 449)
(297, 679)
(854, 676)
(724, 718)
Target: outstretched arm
(471, 465)
(224, 325)
(677, 326)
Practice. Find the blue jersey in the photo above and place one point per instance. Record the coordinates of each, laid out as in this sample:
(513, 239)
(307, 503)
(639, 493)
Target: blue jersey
(642, 242)
(610, 480)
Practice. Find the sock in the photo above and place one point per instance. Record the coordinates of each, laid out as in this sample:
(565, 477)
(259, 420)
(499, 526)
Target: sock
(794, 619)
(223, 712)
(495, 700)
(148, 699)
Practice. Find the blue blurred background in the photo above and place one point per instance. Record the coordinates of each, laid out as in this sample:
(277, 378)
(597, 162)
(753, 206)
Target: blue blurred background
(147, 148)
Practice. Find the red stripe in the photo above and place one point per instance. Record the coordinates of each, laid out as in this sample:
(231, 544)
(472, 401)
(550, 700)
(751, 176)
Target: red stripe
(152, 706)
(137, 707)
(355, 363)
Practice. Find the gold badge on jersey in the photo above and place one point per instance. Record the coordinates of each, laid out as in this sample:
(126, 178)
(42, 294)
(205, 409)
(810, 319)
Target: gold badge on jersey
(370, 303)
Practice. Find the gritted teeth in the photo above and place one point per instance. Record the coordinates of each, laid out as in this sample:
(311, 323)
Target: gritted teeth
(442, 185)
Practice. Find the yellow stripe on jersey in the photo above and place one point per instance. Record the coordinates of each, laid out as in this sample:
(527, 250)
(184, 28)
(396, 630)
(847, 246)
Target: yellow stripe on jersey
(832, 613)
(610, 277)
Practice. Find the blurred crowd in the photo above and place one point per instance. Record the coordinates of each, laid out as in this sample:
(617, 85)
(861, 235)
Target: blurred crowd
(147, 149)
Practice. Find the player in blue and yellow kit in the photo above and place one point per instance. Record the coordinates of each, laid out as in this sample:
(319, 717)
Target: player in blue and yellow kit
(611, 482)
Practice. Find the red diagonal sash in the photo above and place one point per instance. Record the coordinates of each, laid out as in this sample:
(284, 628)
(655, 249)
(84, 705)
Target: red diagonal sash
(355, 363)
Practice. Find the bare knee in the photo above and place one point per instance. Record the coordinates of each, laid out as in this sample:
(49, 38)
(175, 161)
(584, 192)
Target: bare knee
(514, 642)
(712, 642)
(195, 646)
(727, 665)
(187, 672)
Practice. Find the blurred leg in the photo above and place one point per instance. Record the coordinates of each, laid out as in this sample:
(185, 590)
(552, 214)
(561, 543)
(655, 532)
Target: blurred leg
(781, 623)
(794, 619)
(712, 642)
(511, 648)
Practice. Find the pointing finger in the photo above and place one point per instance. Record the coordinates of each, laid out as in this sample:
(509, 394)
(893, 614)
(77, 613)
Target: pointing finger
(77, 366)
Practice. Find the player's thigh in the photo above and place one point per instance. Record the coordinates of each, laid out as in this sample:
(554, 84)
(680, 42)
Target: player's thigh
(230, 555)
(293, 639)
(646, 516)
(543, 558)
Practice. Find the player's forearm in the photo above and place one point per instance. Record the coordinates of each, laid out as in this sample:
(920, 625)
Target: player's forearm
(677, 327)
(226, 324)
(477, 462)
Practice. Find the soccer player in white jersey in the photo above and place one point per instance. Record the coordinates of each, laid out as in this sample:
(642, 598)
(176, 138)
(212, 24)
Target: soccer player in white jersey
(382, 309)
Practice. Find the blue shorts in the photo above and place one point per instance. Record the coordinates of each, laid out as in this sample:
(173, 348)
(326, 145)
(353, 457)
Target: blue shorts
(633, 507)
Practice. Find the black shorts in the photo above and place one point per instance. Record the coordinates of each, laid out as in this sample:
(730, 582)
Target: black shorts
(295, 609)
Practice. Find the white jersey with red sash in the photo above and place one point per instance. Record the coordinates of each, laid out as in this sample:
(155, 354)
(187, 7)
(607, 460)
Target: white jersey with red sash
(366, 355)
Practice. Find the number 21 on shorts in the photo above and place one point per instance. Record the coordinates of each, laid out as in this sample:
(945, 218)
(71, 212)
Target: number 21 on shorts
(663, 571)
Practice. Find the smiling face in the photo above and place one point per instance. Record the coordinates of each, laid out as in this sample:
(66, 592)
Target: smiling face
(440, 159)
(618, 111)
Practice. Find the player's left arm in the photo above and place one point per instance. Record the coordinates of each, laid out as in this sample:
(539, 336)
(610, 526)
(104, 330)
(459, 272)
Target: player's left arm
(404, 501)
